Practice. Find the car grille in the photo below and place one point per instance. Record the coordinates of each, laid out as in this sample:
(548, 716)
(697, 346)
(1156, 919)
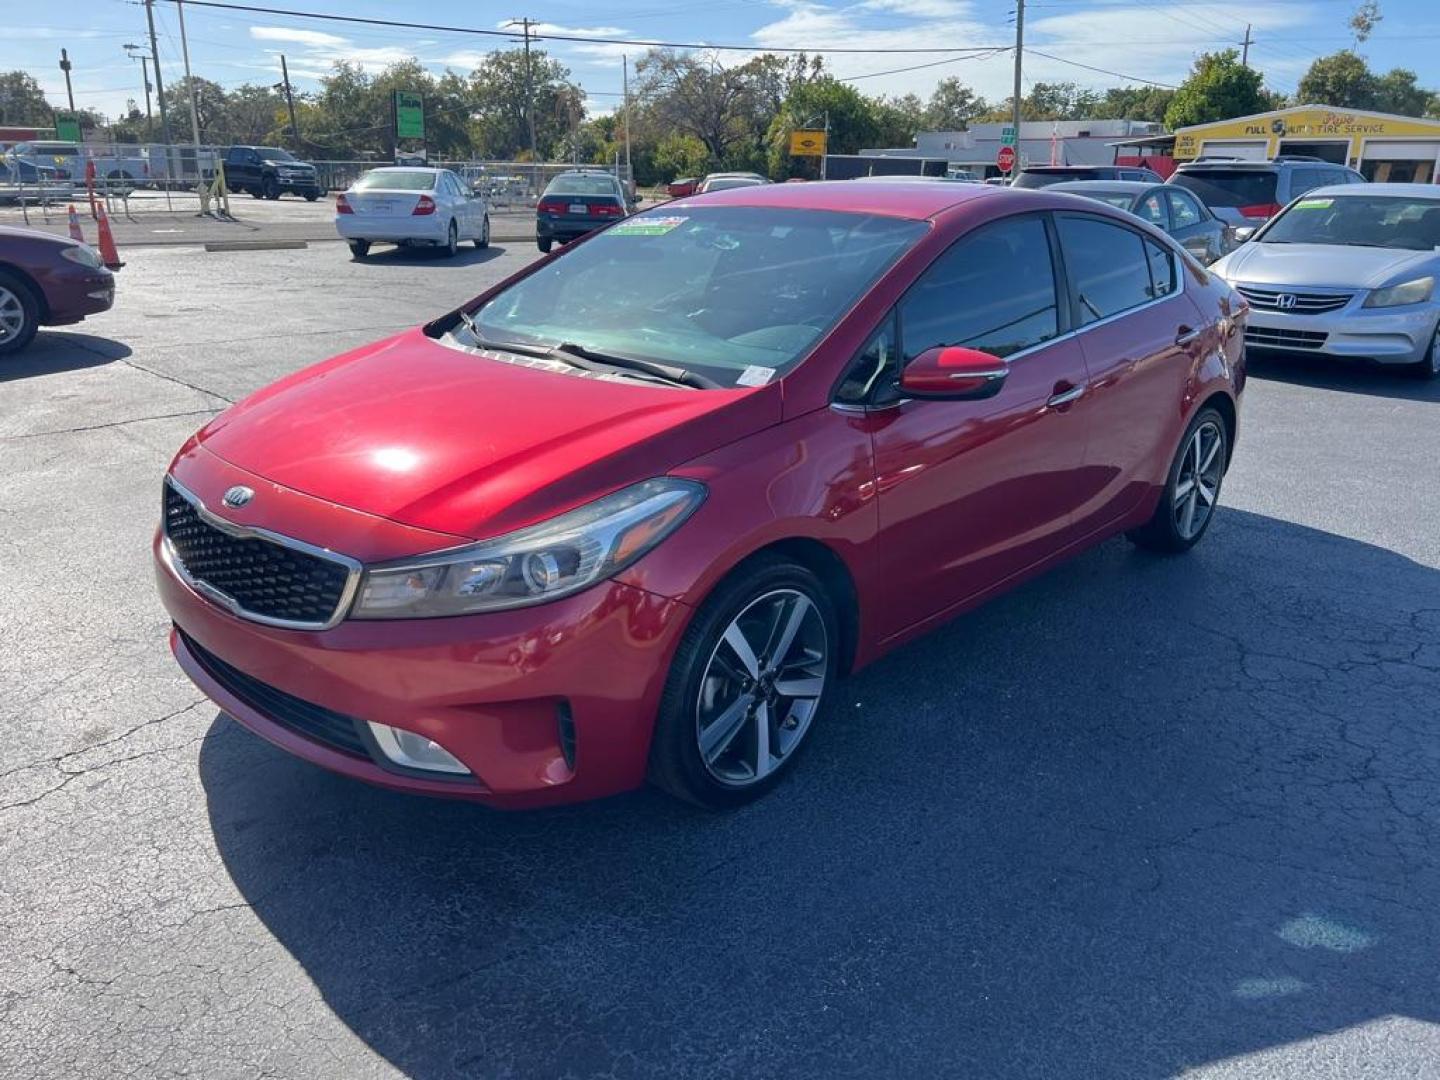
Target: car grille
(1269, 337)
(1306, 303)
(263, 579)
(314, 722)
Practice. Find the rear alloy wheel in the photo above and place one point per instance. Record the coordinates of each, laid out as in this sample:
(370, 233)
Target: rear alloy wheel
(19, 315)
(359, 248)
(452, 242)
(483, 240)
(1429, 368)
(752, 674)
(1192, 489)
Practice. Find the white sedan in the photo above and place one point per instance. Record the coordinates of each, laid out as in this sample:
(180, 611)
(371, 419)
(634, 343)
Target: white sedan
(404, 205)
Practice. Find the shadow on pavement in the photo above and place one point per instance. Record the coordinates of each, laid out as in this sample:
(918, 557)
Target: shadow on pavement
(468, 255)
(59, 350)
(1348, 377)
(1140, 815)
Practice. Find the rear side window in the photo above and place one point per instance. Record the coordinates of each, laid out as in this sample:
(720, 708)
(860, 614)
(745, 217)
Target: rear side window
(1108, 266)
(1183, 209)
(1303, 180)
(994, 290)
(1151, 210)
(1233, 189)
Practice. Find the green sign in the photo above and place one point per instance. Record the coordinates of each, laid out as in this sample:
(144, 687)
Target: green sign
(67, 129)
(409, 115)
(1007, 135)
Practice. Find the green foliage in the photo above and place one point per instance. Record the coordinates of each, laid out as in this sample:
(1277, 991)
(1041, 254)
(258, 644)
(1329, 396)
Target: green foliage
(1219, 87)
(953, 106)
(22, 102)
(1344, 80)
(676, 156)
(1134, 103)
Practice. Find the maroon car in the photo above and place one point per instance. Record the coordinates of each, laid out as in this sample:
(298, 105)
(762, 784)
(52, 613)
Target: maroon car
(47, 280)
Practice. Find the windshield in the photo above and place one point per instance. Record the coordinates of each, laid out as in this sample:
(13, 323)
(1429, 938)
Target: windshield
(1359, 221)
(581, 185)
(396, 180)
(270, 153)
(736, 294)
(1233, 189)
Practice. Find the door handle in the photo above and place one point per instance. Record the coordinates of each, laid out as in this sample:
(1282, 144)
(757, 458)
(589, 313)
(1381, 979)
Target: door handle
(1065, 396)
(1187, 336)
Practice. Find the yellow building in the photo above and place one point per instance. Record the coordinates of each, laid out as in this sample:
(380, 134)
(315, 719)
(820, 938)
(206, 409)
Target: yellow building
(1383, 147)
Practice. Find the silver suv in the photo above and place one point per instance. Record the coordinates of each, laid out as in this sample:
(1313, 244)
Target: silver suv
(1246, 194)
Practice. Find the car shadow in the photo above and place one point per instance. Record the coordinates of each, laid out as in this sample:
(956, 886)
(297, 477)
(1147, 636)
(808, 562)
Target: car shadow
(1137, 816)
(1346, 376)
(59, 350)
(468, 255)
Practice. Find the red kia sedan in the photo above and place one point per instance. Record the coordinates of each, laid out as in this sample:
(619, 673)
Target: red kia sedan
(589, 530)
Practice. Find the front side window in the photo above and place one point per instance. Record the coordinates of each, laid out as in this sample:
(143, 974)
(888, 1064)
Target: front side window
(1108, 266)
(994, 290)
(1183, 210)
(1163, 281)
(736, 294)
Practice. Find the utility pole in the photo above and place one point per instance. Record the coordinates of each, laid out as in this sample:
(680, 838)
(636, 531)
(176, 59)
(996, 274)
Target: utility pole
(65, 67)
(289, 100)
(159, 83)
(1245, 56)
(625, 75)
(135, 52)
(529, 87)
(1019, 60)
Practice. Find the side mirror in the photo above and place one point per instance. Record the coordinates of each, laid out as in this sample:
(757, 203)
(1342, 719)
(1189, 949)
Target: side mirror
(953, 372)
(1244, 233)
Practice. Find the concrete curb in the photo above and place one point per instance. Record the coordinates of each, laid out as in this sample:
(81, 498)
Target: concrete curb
(254, 245)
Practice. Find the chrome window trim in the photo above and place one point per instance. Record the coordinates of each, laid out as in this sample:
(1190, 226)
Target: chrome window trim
(176, 566)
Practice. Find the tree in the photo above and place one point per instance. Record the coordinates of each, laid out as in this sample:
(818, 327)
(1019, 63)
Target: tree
(210, 102)
(22, 102)
(850, 115)
(953, 106)
(898, 119)
(1219, 87)
(1397, 92)
(680, 155)
(1362, 24)
(1343, 80)
(1134, 103)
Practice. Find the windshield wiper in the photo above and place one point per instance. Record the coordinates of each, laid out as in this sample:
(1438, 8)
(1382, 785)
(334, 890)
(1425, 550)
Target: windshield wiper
(593, 358)
(479, 341)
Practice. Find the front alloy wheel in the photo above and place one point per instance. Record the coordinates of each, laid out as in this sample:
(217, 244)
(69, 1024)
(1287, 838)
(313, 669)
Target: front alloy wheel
(1429, 368)
(751, 676)
(19, 315)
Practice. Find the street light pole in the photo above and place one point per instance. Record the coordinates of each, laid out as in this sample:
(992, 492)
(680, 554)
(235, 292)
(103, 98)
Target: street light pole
(1019, 60)
(65, 67)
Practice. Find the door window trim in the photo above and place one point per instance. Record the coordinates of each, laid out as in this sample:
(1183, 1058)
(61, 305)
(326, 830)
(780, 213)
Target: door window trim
(1164, 240)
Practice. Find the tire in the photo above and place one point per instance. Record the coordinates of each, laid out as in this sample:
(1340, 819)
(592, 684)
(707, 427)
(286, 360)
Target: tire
(311, 196)
(706, 685)
(255, 192)
(452, 241)
(270, 187)
(19, 314)
(359, 248)
(1167, 530)
(543, 245)
(483, 240)
(1429, 368)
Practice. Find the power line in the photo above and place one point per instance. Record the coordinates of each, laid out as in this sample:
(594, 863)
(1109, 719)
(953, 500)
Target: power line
(1102, 71)
(934, 63)
(583, 39)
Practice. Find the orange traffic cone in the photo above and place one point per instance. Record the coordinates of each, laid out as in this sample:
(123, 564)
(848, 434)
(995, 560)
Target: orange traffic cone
(109, 255)
(75, 233)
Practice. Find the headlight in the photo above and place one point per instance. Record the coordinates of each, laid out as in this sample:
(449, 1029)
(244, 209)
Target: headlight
(544, 562)
(83, 254)
(1411, 292)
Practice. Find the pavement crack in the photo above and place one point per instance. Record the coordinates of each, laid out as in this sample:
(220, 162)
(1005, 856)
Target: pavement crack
(111, 424)
(176, 380)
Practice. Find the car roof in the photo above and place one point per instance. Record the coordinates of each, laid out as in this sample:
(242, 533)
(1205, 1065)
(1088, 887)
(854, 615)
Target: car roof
(407, 168)
(1096, 187)
(1073, 168)
(903, 200)
(1394, 191)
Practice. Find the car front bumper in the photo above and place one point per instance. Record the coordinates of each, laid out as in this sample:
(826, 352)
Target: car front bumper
(502, 692)
(73, 292)
(1399, 335)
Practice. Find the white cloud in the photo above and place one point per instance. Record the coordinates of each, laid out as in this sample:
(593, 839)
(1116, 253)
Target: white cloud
(314, 38)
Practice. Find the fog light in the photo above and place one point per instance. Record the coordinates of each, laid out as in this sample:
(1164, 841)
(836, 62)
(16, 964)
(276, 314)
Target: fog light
(412, 751)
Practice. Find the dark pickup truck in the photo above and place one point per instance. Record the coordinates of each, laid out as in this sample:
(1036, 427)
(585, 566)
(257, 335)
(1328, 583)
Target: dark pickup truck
(268, 172)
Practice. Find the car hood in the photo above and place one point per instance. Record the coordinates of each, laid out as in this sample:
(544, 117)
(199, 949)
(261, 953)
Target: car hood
(1325, 265)
(441, 439)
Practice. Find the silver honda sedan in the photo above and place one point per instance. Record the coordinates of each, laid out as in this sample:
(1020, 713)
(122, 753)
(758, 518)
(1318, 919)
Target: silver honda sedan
(1346, 271)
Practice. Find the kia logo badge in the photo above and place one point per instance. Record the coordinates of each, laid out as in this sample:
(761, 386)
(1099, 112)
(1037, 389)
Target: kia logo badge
(1285, 302)
(239, 496)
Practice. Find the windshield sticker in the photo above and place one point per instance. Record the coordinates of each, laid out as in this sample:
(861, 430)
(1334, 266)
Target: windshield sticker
(647, 226)
(1314, 204)
(755, 376)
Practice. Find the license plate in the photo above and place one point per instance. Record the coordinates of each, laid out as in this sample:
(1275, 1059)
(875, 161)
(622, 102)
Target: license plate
(381, 207)
(579, 208)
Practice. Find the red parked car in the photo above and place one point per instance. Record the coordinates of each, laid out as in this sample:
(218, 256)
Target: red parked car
(682, 186)
(47, 280)
(582, 532)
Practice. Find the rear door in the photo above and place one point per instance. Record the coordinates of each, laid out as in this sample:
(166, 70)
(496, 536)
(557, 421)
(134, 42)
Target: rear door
(973, 492)
(1137, 330)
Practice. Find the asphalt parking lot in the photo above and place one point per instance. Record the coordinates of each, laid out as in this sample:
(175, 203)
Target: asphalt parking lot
(1142, 817)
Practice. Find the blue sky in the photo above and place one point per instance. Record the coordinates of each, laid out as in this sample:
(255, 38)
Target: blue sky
(1153, 39)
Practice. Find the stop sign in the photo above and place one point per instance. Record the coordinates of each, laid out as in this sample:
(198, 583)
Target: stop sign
(1005, 159)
